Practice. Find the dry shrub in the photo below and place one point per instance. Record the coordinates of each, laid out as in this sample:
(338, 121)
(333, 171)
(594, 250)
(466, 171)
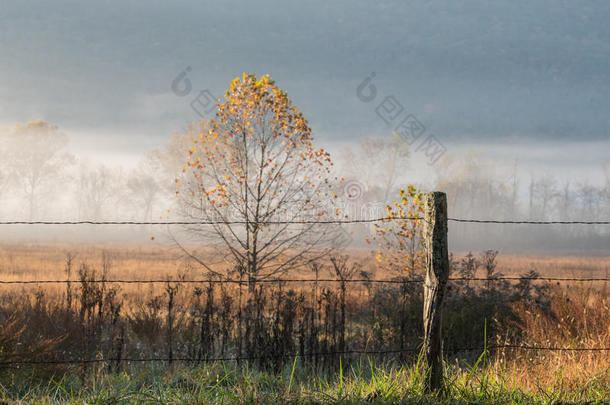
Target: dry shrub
(579, 318)
(270, 323)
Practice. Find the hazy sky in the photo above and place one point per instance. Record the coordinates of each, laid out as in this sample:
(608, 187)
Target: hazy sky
(475, 73)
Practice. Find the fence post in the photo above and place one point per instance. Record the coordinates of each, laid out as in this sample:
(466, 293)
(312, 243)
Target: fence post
(437, 273)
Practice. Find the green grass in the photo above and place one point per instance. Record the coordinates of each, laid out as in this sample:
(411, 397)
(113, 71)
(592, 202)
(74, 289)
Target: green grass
(228, 384)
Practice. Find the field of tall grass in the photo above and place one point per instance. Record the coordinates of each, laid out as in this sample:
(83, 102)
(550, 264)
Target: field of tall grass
(307, 342)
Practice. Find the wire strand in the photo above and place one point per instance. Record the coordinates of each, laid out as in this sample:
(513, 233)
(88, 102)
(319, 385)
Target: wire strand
(296, 355)
(493, 221)
(292, 280)
(343, 221)
(338, 221)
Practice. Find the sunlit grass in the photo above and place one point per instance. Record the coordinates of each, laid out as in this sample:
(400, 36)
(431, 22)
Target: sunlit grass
(364, 382)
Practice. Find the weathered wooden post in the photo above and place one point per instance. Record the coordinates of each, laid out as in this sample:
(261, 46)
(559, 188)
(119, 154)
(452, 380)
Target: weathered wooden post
(437, 273)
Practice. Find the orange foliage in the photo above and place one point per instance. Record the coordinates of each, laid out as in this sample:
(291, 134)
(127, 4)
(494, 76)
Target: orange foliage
(399, 241)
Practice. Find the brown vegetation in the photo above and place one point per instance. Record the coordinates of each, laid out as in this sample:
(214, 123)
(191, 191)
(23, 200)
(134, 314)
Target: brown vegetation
(115, 322)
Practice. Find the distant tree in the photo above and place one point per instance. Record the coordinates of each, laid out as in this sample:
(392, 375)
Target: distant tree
(473, 188)
(547, 193)
(543, 194)
(152, 182)
(565, 204)
(512, 210)
(97, 186)
(377, 164)
(143, 189)
(35, 156)
(256, 170)
(531, 197)
(606, 167)
(166, 162)
(590, 198)
(399, 239)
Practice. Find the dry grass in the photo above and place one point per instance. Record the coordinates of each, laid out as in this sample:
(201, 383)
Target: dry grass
(29, 262)
(578, 314)
(556, 266)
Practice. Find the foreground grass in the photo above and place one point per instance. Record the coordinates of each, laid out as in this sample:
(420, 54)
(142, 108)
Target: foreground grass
(362, 383)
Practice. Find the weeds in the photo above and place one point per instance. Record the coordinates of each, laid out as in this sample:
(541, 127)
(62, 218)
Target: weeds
(363, 382)
(266, 326)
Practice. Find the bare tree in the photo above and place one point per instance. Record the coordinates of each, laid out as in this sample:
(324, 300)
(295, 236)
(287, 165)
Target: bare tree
(143, 187)
(344, 272)
(167, 162)
(547, 193)
(607, 188)
(566, 202)
(97, 186)
(36, 156)
(257, 173)
(377, 164)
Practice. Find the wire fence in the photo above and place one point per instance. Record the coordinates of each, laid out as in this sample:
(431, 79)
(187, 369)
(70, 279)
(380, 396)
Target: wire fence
(296, 280)
(338, 222)
(481, 349)
(220, 280)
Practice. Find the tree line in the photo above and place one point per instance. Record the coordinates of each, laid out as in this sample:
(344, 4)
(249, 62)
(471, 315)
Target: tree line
(41, 180)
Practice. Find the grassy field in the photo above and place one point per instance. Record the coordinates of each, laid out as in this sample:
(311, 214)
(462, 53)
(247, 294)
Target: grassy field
(27, 262)
(51, 322)
(484, 382)
(362, 383)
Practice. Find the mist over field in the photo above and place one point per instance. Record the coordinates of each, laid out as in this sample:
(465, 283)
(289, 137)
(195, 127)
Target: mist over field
(517, 98)
(44, 178)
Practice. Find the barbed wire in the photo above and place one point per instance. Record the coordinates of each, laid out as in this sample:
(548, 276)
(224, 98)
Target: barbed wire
(493, 221)
(297, 355)
(529, 278)
(336, 222)
(279, 222)
(295, 280)
(276, 280)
